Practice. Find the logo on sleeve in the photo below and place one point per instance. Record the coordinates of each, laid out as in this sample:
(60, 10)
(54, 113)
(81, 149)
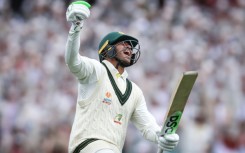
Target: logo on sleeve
(107, 99)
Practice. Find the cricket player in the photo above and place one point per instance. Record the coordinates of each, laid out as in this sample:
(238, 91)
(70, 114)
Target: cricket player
(107, 100)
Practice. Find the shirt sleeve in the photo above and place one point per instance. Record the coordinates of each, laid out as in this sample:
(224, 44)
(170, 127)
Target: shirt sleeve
(144, 121)
(85, 69)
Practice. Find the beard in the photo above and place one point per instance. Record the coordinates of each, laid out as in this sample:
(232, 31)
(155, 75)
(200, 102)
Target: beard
(123, 63)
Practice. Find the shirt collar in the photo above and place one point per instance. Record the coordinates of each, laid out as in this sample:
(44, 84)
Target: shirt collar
(114, 71)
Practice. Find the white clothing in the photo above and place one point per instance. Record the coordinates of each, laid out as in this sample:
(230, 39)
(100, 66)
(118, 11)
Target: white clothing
(105, 151)
(100, 146)
(99, 112)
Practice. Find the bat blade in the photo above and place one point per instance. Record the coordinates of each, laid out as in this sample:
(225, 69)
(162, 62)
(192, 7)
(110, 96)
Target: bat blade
(178, 101)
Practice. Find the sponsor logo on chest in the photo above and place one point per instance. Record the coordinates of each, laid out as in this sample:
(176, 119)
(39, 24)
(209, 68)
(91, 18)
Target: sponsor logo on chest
(107, 99)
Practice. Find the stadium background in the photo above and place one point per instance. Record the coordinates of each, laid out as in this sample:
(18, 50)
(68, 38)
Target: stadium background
(38, 94)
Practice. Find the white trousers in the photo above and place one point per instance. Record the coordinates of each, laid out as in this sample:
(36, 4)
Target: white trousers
(100, 146)
(105, 151)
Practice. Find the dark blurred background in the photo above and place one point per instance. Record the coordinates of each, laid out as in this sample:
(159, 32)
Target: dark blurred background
(38, 93)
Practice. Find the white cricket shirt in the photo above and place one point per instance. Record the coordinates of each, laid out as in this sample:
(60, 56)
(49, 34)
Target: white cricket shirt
(99, 112)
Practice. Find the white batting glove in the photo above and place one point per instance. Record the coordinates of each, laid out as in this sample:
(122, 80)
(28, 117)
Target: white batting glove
(168, 142)
(77, 12)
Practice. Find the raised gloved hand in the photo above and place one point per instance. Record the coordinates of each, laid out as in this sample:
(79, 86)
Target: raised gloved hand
(77, 12)
(168, 142)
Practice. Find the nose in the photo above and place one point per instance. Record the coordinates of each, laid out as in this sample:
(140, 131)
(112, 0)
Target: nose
(129, 48)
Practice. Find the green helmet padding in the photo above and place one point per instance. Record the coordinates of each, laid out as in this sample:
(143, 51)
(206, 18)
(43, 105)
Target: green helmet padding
(113, 38)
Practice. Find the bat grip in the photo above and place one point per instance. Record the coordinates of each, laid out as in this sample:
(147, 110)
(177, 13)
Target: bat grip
(161, 151)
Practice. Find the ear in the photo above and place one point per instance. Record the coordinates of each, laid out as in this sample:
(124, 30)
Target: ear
(108, 47)
(110, 51)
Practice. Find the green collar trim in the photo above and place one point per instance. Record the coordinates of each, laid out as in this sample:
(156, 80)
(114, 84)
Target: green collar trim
(121, 97)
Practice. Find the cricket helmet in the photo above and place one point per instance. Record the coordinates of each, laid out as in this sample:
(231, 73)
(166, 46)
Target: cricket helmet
(107, 46)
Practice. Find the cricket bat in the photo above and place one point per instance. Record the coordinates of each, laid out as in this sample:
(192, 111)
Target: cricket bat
(177, 103)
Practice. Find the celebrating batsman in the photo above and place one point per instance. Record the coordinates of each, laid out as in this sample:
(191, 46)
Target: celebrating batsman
(107, 100)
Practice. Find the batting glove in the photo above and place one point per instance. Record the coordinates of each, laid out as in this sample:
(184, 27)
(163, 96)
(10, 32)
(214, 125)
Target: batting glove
(168, 142)
(77, 12)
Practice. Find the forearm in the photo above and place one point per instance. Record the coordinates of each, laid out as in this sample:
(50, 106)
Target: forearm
(149, 129)
(145, 122)
(72, 57)
(85, 69)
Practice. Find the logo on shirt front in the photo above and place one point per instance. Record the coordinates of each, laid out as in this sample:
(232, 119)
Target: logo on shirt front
(118, 119)
(107, 99)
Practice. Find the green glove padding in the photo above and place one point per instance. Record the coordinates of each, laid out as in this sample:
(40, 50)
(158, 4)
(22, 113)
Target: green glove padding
(82, 2)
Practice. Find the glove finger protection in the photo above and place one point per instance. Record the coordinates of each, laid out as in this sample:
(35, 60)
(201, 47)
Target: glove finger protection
(168, 142)
(77, 12)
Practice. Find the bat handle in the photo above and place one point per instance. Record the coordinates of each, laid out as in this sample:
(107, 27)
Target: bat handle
(161, 151)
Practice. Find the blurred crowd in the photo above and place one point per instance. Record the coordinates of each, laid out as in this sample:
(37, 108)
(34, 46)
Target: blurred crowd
(38, 93)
